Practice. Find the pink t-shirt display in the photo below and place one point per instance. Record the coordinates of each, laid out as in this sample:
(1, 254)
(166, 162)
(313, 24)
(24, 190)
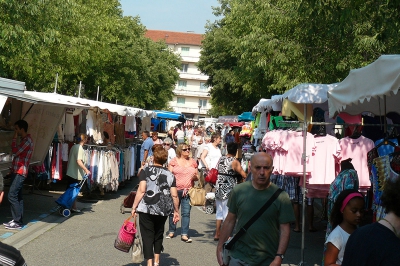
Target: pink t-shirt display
(272, 143)
(293, 144)
(327, 154)
(357, 149)
(326, 160)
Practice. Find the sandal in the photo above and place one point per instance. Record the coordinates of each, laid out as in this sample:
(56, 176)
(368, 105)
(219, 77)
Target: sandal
(186, 240)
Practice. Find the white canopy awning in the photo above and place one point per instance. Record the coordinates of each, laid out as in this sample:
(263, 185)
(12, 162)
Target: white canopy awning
(308, 93)
(261, 106)
(37, 99)
(364, 88)
(113, 108)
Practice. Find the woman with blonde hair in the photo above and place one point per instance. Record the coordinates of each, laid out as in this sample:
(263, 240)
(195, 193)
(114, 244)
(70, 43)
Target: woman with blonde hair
(184, 169)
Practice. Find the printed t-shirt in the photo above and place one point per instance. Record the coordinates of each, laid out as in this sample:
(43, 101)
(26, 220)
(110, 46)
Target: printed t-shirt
(183, 174)
(157, 199)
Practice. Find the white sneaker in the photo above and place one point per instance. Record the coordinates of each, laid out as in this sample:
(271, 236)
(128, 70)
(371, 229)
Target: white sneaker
(7, 224)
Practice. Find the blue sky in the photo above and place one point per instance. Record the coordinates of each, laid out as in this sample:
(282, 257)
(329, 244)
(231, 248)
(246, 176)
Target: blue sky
(173, 15)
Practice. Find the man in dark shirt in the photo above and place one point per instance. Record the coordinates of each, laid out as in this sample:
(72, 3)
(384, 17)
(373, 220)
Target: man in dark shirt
(10, 256)
(378, 244)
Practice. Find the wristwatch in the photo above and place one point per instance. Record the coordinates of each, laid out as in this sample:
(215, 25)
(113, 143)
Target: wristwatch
(280, 255)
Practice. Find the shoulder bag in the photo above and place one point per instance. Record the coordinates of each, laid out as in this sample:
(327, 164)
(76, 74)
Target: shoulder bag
(229, 244)
(212, 175)
(197, 196)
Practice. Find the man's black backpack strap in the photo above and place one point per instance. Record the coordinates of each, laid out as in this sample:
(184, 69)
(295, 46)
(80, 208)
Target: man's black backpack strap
(253, 219)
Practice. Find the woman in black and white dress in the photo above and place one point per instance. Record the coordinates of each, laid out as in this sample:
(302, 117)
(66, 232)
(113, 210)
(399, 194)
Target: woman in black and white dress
(230, 172)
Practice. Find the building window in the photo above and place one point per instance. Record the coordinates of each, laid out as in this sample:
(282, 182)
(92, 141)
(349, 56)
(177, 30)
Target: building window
(180, 100)
(182, 84)
(203, 86)
(185, 50)
(184, 68)
(202, 103)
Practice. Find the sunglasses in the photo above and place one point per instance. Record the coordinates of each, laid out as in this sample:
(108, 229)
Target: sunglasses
(187, 149)
(167, 144)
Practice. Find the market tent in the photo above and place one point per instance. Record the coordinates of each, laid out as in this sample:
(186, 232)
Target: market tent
(365, 89)
(113, 108)
(303, 96)
(235, 124)
(170, 115)
(246, 116)
(16, 89)
(227, 119)
(308, 93)
(261, 106)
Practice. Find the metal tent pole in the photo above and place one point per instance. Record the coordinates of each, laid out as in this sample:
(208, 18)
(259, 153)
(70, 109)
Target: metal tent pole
(304, 159)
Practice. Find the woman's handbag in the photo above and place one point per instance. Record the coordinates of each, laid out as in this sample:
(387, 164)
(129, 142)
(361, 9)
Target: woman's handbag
(137, 248)
(126, 235)
(197, 196)
(212, 176)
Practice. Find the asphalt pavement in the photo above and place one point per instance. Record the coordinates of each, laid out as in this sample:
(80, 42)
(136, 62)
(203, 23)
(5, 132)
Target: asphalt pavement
(87, 238)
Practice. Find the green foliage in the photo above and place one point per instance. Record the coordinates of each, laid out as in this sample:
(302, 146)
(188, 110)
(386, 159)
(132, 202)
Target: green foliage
(88, 41)
(264, 47)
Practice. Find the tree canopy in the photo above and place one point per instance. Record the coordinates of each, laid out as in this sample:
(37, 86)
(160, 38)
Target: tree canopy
(89, 41)
(259, 48)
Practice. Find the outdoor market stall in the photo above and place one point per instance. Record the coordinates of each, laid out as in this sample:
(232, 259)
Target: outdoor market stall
(374, 88)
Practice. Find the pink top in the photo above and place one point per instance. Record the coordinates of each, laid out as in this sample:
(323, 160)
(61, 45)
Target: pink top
(293, 144)
(357, 149)
(183, 175)
(327, 154)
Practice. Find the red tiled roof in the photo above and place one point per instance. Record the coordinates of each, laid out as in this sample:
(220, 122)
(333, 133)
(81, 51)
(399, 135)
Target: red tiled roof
(173, 37)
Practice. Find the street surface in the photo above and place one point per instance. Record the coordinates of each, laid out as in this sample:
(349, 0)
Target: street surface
(88, 238)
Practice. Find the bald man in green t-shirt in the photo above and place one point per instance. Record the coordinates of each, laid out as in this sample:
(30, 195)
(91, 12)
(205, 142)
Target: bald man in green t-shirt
(266, 240)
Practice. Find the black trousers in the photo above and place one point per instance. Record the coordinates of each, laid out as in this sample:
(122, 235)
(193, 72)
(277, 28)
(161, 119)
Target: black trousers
(152, 230)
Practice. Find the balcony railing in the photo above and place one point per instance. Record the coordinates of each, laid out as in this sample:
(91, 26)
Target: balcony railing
(191, 110)
(199, 93)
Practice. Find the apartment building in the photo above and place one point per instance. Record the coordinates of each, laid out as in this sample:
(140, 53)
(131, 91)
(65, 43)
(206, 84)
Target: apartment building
(191, 96)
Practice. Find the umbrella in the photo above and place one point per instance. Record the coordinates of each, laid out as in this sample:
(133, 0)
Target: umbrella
(365, 89)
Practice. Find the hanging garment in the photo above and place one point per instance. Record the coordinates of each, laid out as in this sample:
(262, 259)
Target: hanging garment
(381, 172)
(347, 179)
(119, 130)
(69, 129)
(130, 124)
(56, 162)
(357, 149)
(326, 162)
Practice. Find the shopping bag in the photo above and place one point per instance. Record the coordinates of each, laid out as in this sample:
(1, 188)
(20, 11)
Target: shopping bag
(126, 235)
(67, 199)
(137, 248)
(212, 176)
(197, 196)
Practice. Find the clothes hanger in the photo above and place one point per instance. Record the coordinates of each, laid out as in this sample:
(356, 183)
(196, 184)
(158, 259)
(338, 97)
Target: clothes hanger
(386, 141)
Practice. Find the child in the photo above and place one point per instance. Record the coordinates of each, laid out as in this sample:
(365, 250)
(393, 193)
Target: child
(345, 217)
